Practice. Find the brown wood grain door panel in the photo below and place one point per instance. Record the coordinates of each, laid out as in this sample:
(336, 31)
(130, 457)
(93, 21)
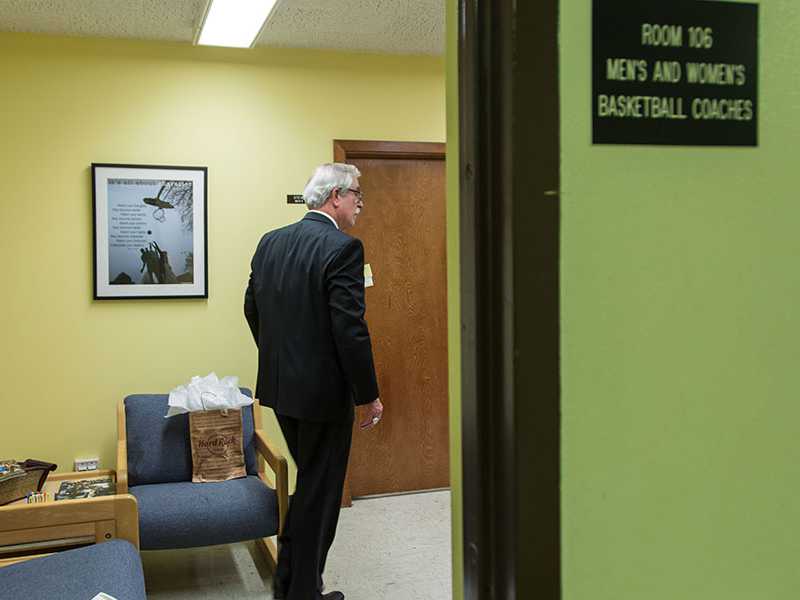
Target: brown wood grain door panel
(403, 230)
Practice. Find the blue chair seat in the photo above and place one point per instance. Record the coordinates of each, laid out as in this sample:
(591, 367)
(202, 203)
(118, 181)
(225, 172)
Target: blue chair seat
(184, 514)
(112, 567)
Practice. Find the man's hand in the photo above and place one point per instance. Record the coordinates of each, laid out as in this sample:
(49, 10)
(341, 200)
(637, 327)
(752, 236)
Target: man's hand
(370, 414)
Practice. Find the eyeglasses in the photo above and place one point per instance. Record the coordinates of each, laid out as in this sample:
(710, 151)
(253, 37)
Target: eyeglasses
(358, 193)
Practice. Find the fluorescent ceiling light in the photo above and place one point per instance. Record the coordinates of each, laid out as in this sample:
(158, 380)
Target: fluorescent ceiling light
(234, 23)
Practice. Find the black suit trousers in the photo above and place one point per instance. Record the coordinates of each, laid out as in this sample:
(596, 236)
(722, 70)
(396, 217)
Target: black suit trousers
(320, 451)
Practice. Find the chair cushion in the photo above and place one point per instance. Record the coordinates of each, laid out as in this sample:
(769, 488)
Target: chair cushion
(112, 567)
(159, 450)
(186, 514)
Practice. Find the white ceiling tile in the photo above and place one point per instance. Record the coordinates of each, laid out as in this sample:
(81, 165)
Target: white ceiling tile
(393, 26)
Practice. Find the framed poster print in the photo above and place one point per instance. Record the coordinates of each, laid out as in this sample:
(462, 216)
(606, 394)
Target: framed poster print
(150, 231)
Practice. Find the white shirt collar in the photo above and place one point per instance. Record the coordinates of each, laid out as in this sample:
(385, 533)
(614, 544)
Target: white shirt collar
(319, 212)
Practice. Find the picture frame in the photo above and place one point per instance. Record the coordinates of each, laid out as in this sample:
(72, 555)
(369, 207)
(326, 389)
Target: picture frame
(150, 231)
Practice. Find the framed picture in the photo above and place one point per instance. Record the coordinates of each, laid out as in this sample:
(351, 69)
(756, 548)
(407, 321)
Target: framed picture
(150, 231)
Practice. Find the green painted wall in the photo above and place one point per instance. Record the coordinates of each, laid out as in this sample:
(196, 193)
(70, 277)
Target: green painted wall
(680, 347)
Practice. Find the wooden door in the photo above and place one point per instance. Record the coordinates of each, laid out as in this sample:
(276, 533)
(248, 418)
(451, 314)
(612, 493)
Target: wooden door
(402, 226)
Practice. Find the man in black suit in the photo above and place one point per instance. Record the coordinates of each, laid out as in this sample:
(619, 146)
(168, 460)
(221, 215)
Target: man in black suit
(305, 307)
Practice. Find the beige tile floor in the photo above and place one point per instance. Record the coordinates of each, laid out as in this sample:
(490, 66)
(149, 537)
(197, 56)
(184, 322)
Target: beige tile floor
(389, 548)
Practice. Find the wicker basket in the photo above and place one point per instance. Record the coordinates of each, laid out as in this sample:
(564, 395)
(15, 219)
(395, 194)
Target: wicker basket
(17, 488)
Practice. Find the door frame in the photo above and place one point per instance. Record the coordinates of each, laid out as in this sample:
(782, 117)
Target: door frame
(344, 150)
(509, 196)
(348, 149)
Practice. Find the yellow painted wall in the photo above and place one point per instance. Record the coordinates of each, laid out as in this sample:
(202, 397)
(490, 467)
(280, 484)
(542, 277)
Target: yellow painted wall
(260, 120)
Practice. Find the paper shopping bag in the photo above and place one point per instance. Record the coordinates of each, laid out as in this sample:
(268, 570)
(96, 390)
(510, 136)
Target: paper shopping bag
(217, 448)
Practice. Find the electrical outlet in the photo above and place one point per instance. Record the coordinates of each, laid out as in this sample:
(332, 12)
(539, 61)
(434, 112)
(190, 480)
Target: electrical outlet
(87, 464)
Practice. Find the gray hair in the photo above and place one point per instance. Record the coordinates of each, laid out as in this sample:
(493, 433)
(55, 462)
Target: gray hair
(326, 178)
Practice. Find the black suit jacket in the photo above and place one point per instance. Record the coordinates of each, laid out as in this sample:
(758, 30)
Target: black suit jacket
(305, 307)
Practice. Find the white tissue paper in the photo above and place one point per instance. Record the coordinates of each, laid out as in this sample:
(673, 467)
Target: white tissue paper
(207, 393)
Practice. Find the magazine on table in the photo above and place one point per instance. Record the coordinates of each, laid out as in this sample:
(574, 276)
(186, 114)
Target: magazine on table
(85, 488)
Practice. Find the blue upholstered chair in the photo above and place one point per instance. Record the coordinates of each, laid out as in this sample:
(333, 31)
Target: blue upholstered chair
(154, 463)
(112, 567)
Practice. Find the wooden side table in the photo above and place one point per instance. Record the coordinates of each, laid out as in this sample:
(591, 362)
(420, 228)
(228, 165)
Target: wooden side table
(29, 530)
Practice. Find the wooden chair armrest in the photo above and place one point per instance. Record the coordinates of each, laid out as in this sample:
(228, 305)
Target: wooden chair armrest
(122, 450)
(280, 467)
(89, 519)
(122, 467)
(271, 454)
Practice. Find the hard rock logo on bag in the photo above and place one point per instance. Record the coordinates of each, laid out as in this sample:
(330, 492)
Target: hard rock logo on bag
(217, 445)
